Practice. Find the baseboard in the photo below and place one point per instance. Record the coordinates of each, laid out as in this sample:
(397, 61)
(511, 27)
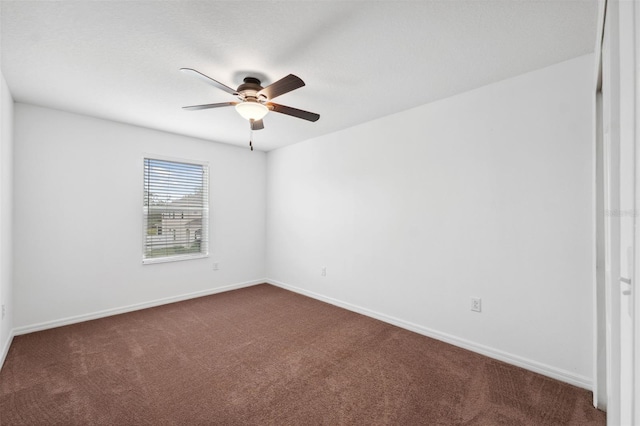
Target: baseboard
(5, 348)
(135, 307)
(546, 370)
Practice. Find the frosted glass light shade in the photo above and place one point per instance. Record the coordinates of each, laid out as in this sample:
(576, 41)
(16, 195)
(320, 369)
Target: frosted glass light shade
(252, 110)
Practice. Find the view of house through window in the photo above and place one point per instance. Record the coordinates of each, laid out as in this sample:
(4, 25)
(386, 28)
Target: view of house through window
(175, 210)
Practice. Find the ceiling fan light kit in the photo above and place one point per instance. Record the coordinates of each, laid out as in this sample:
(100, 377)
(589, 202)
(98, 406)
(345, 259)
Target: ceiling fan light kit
(255, 100)
(252, 110)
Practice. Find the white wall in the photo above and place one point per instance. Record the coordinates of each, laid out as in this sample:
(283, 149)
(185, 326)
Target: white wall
(6, 211)
(486, 194)
(78, 217)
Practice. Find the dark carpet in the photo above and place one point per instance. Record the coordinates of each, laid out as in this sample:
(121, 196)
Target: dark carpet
(266, 356)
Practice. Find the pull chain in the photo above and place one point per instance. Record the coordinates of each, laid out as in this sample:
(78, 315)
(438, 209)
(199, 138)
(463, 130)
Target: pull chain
(251, 135)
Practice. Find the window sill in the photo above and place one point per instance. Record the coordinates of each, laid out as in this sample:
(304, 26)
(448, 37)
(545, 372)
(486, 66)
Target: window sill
(174, 258)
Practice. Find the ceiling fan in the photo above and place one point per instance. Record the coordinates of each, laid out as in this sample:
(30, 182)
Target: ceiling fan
(254, 100)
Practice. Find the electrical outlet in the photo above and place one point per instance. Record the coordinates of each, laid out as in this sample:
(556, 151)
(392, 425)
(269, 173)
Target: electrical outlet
(476, 304)
(324, 271)
(216, 266)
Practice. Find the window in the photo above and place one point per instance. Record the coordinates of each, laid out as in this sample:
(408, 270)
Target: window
(175, 198)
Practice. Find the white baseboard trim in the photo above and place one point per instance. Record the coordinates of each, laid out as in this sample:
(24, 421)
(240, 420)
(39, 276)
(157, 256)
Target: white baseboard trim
(135, 307)
(537, 367)
(5, 348)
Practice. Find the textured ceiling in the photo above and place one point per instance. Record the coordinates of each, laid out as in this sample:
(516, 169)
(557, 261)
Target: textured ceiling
(361, 60)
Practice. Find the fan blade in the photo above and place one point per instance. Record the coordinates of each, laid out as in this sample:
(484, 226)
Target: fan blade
(282, 86)
(294, 112)
(209, 80)
(208, 106)
(257, 125)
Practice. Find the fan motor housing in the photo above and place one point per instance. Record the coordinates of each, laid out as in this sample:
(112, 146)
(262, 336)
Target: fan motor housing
(249, 88)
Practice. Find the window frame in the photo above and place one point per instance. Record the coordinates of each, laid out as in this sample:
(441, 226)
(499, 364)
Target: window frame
(204, 253)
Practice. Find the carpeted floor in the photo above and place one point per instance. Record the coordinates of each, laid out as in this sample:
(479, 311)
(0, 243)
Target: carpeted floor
(263, 355)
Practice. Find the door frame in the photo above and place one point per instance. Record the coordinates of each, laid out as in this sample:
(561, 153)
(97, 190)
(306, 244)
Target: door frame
(621, 19)
(635, 294)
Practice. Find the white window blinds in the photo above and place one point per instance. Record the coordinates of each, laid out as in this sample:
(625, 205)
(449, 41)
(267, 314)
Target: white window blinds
(175, 209)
